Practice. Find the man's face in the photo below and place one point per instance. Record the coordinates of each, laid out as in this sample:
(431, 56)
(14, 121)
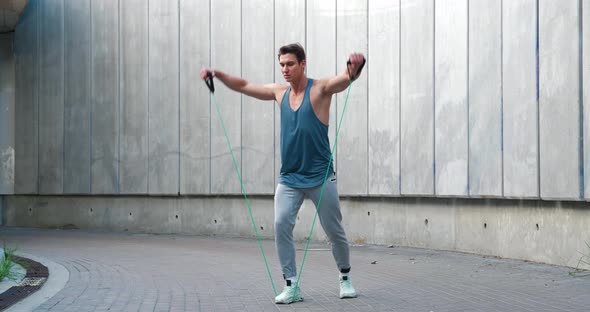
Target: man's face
(290, 67)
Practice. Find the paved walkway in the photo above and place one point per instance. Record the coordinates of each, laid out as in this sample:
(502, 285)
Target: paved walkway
(138, 272)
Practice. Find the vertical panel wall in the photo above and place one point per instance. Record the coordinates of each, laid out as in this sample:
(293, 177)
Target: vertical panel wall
(384, 97)
(258, 59)
(77, 96)
(559, 99)
(351, 36)
(51, 95)
(105, 97)
(417, 114)
(450, 98)
(26, 50)
(194, 98)
(133, 97)
(322, 61)
(163, 116)
(290, 17)
(226, 52)
(585, 6)
(7, 104)
(521, 177)
(473, 98)
(485, 98)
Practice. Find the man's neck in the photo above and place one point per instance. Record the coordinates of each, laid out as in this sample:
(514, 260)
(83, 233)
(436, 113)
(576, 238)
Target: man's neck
(299, 86)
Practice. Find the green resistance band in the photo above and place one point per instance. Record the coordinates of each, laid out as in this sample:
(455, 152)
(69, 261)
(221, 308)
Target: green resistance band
(211, 86)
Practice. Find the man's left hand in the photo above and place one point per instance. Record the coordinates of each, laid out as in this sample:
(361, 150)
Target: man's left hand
(355, 65)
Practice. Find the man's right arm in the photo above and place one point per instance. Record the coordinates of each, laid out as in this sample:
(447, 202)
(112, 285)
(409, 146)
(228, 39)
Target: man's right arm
(262, 92)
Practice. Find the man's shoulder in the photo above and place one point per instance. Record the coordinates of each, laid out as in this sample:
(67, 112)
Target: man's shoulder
(318, 86)
(277, 87)
(279, 91)
(319, 81)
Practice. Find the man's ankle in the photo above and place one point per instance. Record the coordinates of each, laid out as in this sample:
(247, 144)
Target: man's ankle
(291, 281)
(344, 273)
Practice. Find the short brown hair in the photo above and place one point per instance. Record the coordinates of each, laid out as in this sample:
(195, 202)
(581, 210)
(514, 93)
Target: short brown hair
(293, 48)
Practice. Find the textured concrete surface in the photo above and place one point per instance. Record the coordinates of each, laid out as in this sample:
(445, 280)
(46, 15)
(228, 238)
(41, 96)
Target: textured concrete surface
(77, 97)
(226, 55)
(560, 106)
(7, 112)
(450, 98)
(104, 97)
(133, 158)
(416, 97)
(383, 99)
(138, 272)
(352, 164)
(586, 90)
(26, 46)
(258, 62)
(51, 97)
(533, 230)
(485, 98)
(520, 107)
(194, 105)
(457, 99)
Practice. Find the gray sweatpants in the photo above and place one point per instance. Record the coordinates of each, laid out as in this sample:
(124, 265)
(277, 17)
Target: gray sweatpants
(288, 200)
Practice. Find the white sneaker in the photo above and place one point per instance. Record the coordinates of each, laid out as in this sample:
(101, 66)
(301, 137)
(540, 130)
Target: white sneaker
(346, 289)
(289, 295)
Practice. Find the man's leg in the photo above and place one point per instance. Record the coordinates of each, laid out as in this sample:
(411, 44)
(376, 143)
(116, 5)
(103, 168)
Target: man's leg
(288, 200)
(331, 220)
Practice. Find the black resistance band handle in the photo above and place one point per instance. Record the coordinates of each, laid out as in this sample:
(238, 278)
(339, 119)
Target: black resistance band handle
(209, 82)
(359, 70)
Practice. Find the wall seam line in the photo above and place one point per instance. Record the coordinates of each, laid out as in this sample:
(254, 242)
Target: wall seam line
(581, 159)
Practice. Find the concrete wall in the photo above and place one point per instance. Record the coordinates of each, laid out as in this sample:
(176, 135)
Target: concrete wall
(27, 72)
(549, 232)
(585, 76)
(459, 99)
(7, 89)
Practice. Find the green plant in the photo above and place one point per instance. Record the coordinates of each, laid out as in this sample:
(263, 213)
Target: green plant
(7, 264)
(583, 261)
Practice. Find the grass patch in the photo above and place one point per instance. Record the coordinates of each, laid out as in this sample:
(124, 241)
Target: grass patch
(7, 264)
(583, 261)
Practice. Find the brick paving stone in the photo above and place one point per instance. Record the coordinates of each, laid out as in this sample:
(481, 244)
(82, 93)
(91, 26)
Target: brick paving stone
(139, 272)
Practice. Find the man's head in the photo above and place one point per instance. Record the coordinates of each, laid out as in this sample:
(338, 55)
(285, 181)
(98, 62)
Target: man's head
(295, 49)
(292, 61)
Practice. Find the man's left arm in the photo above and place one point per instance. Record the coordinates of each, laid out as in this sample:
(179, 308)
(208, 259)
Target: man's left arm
(353, 70)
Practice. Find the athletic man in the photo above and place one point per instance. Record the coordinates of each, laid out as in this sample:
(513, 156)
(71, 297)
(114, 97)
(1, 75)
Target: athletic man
(305, 155)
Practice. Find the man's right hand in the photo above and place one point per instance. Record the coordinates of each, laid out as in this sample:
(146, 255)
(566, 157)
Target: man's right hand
(205, 71)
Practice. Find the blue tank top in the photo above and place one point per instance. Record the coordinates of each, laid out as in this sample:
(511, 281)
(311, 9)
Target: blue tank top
(305, 147)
